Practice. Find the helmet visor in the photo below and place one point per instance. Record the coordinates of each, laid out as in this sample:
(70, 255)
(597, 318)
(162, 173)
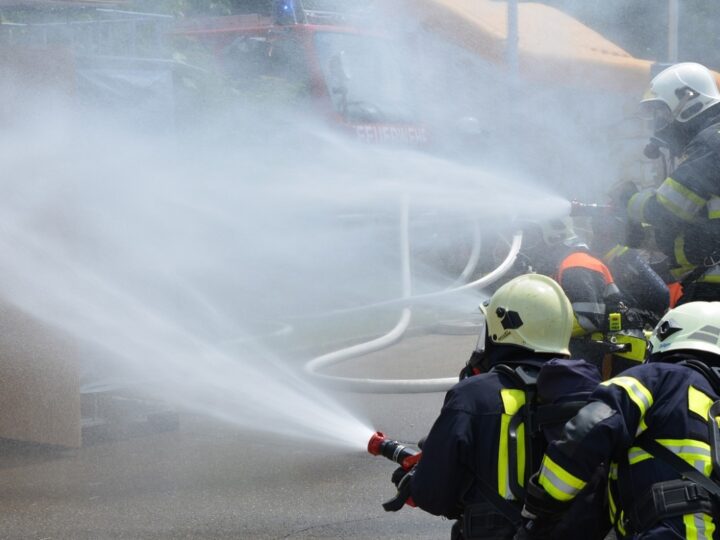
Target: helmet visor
(480, 346)
(658, 113)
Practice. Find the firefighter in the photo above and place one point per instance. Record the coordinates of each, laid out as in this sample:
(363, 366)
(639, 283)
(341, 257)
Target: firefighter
(483, 446)
(653, 426)
(607, 328)
(684, 211)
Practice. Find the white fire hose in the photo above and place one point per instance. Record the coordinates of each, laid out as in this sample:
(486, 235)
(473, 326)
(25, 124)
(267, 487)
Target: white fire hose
(403, 386)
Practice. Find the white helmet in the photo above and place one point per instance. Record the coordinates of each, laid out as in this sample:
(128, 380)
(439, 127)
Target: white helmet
(530, 311)
(549, 233)
(694, 326)
(559, 231)
(686, 90)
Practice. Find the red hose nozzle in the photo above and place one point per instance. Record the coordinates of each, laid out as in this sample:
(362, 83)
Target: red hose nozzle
(380, 445)
(376, 442)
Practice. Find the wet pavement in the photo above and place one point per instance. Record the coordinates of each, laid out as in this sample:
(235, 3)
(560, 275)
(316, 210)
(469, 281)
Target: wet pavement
(213, 480)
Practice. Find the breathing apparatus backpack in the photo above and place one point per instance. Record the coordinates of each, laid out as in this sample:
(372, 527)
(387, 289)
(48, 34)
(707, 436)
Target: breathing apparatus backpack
(694, 492)
(497, 516)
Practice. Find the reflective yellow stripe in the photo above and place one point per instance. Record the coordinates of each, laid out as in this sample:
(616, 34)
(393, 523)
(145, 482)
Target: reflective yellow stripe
(684, 266)
(698, 526)
(679, 251)
(679, 200)
(679, 272)
(635, 390)
(611, 505)
(512, 400)
(615, 252)
(638, 347)
(699, 402)
(619, 524)
(577, 329)
(636, 204)
(711, 275)
(713, 206)
(613, 471)
(695, 453)
(560, 484)
(611, 489)
(637, 454)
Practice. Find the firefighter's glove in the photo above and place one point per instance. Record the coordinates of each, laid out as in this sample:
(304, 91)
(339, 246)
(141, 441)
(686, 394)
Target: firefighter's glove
(621, 194)
(630, 319)
(398, 475)
(633, 318)
(403, 483)
(540, 514)
(474, 365)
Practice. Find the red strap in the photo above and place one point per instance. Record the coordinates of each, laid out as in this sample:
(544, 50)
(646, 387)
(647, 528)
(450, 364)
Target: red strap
(676, 293)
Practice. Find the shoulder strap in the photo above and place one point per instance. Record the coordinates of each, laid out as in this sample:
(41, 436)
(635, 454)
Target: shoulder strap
(520, 375)
(686, 470)
(711, 374)
(695, 273)
(555, 413)
(510, 511)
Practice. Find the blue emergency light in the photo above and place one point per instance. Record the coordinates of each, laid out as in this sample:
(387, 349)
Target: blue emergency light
(285, 12)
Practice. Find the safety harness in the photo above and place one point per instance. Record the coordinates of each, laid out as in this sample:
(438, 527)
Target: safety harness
(694, 492)
(485, 520)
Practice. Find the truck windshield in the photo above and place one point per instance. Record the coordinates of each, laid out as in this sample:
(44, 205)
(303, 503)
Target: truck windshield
(365, 77)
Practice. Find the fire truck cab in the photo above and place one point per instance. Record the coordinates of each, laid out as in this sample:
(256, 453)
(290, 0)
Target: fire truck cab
(317, 58)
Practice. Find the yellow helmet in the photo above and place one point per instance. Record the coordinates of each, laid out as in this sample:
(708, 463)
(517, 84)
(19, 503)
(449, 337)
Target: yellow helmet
(694, 326)
(530, 311)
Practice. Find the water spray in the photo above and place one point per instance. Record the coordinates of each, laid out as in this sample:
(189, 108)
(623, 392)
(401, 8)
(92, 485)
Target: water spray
(581, 209)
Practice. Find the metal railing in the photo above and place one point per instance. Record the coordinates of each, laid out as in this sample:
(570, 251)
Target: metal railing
(118, 33)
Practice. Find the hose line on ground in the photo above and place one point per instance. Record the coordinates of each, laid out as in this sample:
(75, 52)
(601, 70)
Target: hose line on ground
(400, 386)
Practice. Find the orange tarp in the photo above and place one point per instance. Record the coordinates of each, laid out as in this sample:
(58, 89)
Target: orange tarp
(553, 47)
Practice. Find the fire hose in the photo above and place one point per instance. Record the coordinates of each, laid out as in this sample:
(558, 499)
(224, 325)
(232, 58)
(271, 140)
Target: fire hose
(391, 386)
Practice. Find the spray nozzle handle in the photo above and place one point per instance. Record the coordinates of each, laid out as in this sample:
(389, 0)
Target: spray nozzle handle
(402, 497)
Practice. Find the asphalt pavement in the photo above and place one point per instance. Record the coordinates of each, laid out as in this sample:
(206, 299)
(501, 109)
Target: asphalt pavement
(210, 480)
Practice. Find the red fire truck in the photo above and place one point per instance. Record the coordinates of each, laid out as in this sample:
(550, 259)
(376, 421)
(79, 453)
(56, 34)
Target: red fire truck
(332, 61)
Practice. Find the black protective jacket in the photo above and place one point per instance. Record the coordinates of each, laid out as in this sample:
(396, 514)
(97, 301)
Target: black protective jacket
(664, 402)
(685, 212)
(470, 439)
